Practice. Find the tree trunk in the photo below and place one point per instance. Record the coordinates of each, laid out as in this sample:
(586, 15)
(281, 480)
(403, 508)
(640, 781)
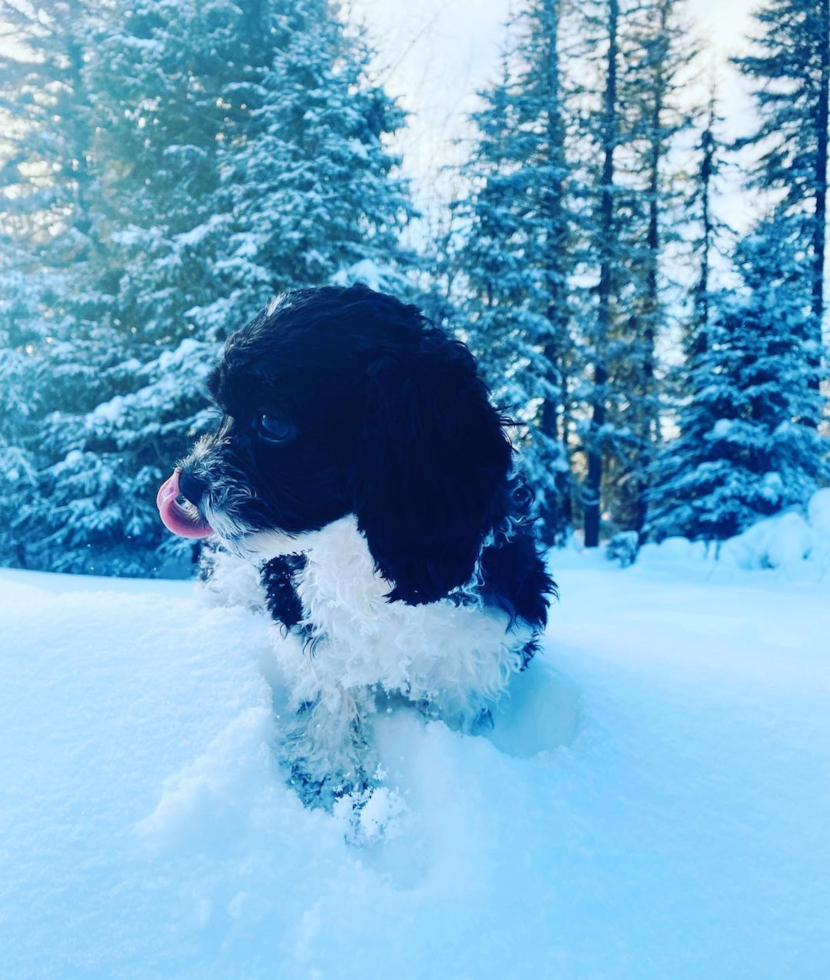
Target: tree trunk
(820, 218)
(700, 338)
(552, 420)
(593, 484)
(650, 416)
(83, 179)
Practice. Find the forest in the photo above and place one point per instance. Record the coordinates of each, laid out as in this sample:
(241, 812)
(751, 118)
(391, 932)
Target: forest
(166, 168)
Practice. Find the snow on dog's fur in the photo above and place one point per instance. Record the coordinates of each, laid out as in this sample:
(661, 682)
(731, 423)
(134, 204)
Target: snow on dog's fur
(360, 466)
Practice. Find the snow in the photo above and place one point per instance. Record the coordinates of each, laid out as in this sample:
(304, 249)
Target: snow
(195, 236)
(795, 544)
(378, 276)
(111, 411)
(721, 428)
(653, 801)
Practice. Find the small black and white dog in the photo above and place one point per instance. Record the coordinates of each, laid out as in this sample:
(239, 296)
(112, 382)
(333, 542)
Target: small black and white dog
(361, 467)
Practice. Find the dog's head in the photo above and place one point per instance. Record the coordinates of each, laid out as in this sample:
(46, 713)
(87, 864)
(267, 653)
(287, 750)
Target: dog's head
(343, 400)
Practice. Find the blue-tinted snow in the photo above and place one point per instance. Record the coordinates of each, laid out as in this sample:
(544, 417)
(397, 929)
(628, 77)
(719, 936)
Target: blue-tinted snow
(653, 802)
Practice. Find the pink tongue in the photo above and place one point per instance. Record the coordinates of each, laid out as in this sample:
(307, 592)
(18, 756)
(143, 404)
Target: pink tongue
(180, 520)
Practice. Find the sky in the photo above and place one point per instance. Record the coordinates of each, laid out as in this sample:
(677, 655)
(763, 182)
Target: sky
(434, 55)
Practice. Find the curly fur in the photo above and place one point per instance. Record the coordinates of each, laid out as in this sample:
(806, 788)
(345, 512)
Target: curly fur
(390, 529)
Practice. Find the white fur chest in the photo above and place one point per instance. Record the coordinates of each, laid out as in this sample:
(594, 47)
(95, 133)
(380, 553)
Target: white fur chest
(441, 652)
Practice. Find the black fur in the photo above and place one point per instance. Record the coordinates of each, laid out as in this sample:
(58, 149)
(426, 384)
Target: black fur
(388, 420)
(430, 462)
(281, 599)
(514, 575)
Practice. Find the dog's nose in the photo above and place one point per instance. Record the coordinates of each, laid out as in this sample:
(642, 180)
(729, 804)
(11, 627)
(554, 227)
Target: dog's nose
(191, 487)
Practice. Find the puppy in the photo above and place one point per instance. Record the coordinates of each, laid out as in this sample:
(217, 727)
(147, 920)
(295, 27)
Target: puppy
(361, 467)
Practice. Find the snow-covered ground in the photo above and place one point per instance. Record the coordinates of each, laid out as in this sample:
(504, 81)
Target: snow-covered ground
(654, 801)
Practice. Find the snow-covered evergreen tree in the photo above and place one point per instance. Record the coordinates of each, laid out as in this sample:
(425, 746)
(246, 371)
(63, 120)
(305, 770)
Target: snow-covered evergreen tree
(687, 377)
(176, 102)
(789, 69)
(748, 445)
(573, 207)
(55, 291)
(154, 72)
(655, 98)
(707, 242)
(604, 52)
(312, 187)
(637, 53)
(517, 252)
(21, 384)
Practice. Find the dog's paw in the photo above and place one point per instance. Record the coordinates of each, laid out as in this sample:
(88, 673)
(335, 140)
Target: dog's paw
(371, 815)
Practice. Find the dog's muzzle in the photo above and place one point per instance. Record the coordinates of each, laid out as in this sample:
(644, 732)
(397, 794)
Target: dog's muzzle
(180, 518)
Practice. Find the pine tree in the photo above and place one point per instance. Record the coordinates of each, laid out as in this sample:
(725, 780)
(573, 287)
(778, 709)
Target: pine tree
(605, 121)
(711, 154)
(312, 188)
(789, 68)
(690, 377)
(154, 73)
(21, 375)
(658, 75)
(516, 255)
(748, 446)
(638, 54)
(54, 293)
(175, 101)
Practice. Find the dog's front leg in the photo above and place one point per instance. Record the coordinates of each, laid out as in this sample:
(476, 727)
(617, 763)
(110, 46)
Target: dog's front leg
(325, 747)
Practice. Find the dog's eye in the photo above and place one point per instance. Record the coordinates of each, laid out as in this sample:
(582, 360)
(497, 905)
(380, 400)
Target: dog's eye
(275, 429)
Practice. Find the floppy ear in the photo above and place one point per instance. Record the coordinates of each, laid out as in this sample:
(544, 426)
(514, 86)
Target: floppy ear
(431, 462)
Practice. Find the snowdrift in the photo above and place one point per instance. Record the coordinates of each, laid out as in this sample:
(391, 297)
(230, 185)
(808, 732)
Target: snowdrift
(789, 542)
(653, 801)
